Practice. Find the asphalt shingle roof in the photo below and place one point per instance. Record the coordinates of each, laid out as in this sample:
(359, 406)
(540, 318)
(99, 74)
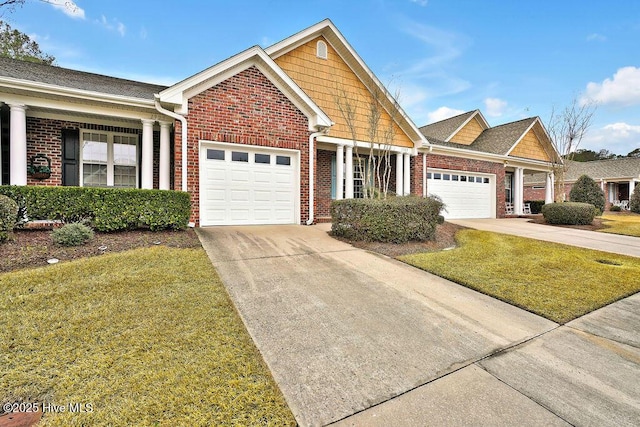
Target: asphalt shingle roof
(443, 129)
(64, 77)
(599, 169)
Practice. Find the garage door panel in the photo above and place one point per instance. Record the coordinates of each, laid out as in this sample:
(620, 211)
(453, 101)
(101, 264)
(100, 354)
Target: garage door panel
(248, 192)
(463, 198)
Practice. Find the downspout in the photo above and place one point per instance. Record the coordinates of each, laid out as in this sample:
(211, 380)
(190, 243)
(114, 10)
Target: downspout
(312, 137)
(183, 129)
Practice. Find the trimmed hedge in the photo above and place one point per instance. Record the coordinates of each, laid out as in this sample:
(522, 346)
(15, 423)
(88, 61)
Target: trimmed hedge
(8, 216)
(396, 219)
(536, 205)
(634, 200)
(569, 213)
(586, 190)
(107, 209)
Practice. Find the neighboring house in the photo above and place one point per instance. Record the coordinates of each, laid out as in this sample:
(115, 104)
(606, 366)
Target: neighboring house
(617, 178)
(476, 169)
(257, 138)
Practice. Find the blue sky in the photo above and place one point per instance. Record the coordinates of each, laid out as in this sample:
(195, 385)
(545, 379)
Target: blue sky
(511, 59)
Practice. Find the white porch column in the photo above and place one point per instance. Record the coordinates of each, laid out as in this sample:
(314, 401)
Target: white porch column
(147, 154)
(18, 144)
(348, 191)
(548, 189)
(399, 174)
(632, 186)
(406, 190)
(553, 187)
(518, 199)
(164, 182)
(339, 172)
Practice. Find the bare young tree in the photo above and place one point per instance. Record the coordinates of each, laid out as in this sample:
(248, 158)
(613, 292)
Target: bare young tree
(10, 5)
(566, 129)
(374, 164)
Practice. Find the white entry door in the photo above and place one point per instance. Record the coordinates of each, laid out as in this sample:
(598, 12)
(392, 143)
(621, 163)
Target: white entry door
(243, 185)
(465, 194)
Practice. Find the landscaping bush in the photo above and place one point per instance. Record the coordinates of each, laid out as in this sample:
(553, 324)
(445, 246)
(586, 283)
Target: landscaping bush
(615, 208)
(586, 190)
(8, 217)
(536, 205)
(108, 209)
(396, 219)
(74, 234)
(634, 200)
(569, 213)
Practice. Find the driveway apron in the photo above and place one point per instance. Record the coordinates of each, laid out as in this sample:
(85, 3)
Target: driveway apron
(607, 242)
(343, 330)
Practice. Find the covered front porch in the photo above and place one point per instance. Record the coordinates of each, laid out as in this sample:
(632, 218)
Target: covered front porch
(515, 190)
(618, 192)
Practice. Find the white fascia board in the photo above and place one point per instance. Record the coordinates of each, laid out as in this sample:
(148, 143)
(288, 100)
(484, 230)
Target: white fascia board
(49, 89)
(180, 93)
(537, 120)
(328, 30)
(489, 157)
(365, 144)
(521, 136)
(74, 107)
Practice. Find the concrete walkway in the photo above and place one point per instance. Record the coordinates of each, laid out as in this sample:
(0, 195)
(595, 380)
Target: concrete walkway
(355, 338)
(615, 243)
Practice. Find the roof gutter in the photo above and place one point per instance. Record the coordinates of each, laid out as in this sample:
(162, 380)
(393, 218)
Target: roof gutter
(183, 128)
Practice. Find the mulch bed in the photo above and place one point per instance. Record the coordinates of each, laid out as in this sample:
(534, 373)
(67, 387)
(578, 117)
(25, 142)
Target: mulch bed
(445, 238)
(32, 248)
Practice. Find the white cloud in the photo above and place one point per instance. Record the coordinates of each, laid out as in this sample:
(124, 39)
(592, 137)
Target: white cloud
(446, 45)
(113, 25)
(266, 41)
(494, 106)
(143, 33)
(68, 7)
(622, 89)
(619, 138)
(596, 37)
(443, 113)
(420, 2)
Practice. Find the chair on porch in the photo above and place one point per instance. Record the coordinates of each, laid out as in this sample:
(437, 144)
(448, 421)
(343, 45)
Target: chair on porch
(624, 204)
(526, 208)
(508, 209)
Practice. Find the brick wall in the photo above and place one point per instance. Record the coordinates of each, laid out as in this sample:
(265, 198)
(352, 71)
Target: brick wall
(44, 136)
(244, 109)
(468, 165)
(323, 183)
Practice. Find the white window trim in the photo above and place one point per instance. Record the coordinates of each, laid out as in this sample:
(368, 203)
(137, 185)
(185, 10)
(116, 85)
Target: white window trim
(110, 162)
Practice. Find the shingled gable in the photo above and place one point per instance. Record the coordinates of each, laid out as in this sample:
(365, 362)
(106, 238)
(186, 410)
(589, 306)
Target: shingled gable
(612, 169)
(330, 33)
(180, 93)
(446, 130)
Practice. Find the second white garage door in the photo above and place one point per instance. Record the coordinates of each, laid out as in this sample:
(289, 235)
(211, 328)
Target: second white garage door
(243, 185)
(465, 194)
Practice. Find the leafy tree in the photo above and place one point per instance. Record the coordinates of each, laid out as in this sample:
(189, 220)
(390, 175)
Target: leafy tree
(17, 45)
(635, 153)
(584, 155)
(634, 201)
(586, 190)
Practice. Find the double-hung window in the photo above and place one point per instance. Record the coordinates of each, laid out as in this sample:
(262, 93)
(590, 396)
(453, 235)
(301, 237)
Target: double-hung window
(109, 159)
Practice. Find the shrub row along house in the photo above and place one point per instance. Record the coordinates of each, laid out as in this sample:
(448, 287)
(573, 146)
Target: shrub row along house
(268, 136)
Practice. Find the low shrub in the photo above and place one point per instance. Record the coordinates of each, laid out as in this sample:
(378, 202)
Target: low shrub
(634, 200)
(74, 234)
(586, 190)
(615, 208)
(569, 213)
(396, 219)
(108, 209)
(536, 205)
(8, 217)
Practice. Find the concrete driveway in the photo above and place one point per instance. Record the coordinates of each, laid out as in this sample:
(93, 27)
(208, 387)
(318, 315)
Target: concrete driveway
(615, 243)
(355, 338)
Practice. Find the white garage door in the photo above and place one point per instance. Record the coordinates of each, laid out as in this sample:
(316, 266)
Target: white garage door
(242, 185)
(465, 194)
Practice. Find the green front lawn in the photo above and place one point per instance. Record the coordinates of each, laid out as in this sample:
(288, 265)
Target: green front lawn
(146, 337)
(556, 281)
(621, 223)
